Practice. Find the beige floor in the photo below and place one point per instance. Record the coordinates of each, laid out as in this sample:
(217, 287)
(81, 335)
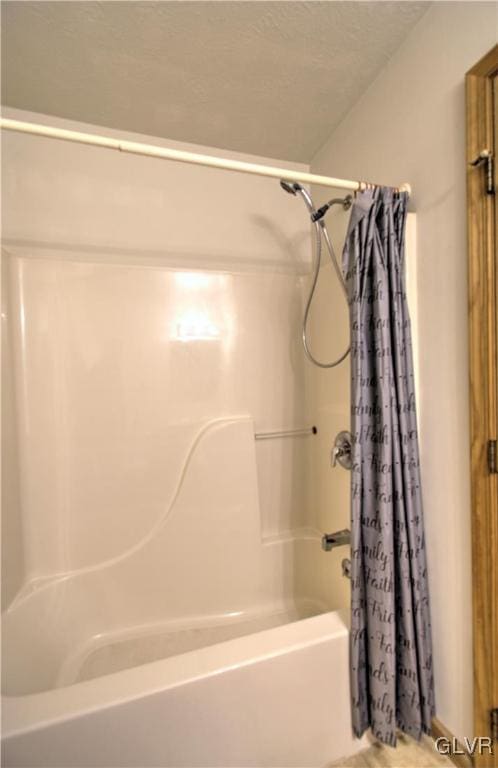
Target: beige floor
(408, 754)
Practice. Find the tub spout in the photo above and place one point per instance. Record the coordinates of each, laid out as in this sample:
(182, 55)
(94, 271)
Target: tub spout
(337, 539)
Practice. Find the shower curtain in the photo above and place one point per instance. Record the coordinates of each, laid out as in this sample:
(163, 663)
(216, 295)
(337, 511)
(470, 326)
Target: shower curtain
(391, 656)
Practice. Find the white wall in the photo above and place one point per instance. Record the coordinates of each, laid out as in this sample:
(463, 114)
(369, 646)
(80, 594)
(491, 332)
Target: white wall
(92, 201)
(119, 269)
(409, 126)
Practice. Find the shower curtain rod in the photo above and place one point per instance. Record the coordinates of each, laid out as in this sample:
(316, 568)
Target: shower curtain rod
(151, 150)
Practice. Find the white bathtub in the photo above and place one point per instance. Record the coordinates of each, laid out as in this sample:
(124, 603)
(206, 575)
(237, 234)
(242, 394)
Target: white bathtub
(278, 697)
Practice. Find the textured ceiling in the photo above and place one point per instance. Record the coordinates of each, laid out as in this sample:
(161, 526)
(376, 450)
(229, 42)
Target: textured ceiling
(269, 78)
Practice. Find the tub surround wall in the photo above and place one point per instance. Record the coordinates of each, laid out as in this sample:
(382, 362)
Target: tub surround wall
(203, 561)
(193, 543)
(13, 569)
(146, 298)
(409, 126)
(117, 369)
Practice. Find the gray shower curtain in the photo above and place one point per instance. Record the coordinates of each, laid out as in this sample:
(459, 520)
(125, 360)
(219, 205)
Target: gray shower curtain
(391, 656)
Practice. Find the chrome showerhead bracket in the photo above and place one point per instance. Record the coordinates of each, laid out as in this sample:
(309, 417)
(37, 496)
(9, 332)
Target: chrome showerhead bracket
(346, 203)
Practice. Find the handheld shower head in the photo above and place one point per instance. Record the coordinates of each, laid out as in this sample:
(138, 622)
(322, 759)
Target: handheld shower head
(320, 231)
(291, 188)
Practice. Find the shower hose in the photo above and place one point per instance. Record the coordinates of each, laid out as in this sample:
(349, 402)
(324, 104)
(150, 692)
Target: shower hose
(320, 230)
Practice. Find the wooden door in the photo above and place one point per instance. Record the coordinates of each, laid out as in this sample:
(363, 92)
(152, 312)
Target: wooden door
(482, 127)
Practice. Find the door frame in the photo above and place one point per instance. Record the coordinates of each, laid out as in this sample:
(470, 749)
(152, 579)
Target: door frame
(483, 342)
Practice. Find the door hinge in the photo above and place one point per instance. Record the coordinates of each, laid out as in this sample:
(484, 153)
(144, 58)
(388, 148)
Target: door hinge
(494, 723)
(486, 158)
(492, 459)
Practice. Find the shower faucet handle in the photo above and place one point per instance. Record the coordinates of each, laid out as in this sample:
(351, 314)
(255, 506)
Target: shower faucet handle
(341, 451)
(337, 453)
